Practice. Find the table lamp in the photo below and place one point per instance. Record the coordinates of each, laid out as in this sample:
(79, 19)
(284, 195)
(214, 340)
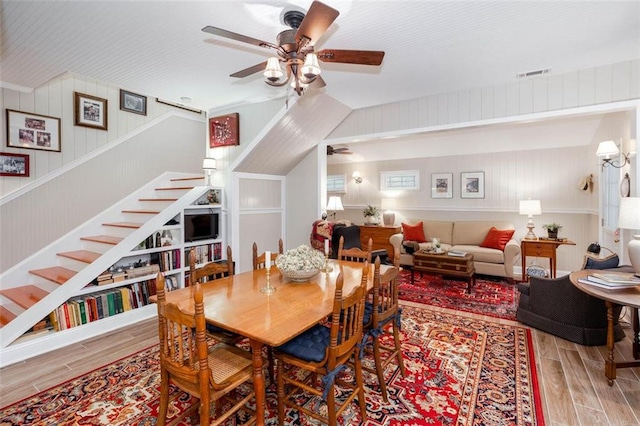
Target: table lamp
(630, 219)
(209, 165)
(530, 208)
(388, 215)
(334, 204)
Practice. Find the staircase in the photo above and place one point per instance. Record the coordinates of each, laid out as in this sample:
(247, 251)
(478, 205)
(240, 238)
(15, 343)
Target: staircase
(32, 289)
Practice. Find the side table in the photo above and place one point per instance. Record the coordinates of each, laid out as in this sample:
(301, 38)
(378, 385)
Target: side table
(541, 248)
(380, 236)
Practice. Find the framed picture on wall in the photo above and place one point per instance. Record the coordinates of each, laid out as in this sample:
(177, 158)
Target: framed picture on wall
(472, 185)
(90, 111)
(33, 131)
(14, 164)
(441, 185)
(132, 102)
(224, 130)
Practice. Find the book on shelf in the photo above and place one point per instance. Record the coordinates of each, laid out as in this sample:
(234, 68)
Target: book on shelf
(596, 282)
(617, 277)
(457, 253)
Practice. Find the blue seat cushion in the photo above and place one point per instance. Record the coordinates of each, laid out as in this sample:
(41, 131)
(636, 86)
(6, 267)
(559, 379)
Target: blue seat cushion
(606, 263)
(368, 312)
(309, 346)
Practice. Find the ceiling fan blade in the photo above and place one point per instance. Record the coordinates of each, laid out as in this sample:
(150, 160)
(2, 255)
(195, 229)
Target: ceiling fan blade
(362, 57)
(316, 21)
(239, 37)
(249, 71)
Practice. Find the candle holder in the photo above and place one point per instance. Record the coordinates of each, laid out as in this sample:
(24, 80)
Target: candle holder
(268, 289)
(326, 268)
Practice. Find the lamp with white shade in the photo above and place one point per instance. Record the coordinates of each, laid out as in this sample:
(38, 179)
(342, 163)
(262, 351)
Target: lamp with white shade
(530, 208)
(609, 149)
(334, 205)
(388, 215)
(209, 165)
(630, 219)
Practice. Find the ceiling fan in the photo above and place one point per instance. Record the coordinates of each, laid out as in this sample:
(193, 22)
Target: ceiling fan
(295, 49)
(335, 150)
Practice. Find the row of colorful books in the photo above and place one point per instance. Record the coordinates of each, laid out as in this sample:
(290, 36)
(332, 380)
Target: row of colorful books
(612, 280)
(206, 253)
(96, 306)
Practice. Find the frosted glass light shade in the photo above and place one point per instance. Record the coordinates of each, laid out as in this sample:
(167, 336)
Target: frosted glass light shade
(311, 68)
(273, 72)
(607, 149)
(629, 218)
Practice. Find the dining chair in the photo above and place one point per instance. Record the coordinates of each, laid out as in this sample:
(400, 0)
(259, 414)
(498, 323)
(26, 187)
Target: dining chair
(213, 271)
(354, 254)
(382, 311)
(258, 261)
(186, 361)
(326, 351)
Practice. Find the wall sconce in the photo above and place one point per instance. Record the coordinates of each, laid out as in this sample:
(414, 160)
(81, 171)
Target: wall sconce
(209, 165)
(357, 177)
(530, 208)
(334, 204)
(608, 149)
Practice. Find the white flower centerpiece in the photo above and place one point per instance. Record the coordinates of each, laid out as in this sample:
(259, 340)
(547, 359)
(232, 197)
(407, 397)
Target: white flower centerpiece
(301, 263)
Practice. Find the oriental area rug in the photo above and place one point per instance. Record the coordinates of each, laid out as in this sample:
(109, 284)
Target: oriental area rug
(491, 296)
(460, 371)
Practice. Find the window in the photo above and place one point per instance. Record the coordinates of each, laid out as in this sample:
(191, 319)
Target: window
(408, 179)
(337, 184)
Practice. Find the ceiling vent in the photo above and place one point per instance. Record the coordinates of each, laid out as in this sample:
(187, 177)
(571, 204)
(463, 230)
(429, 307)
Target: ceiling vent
(533, 73)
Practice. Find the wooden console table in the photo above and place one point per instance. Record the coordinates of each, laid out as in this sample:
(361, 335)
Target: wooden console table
(380, 236)
(626, 297)
(541, 248)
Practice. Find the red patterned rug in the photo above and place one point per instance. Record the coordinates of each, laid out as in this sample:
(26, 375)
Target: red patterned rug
(491, 296)
(460, 371)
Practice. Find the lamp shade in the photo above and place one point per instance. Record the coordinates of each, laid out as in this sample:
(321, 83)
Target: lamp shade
(530, 207)
(335, 204)
(607, 149)
(629, 217)
(388, 204)
(209, 164)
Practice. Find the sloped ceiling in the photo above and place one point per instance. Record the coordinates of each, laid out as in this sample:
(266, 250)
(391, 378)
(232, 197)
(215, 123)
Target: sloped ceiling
(283, 146)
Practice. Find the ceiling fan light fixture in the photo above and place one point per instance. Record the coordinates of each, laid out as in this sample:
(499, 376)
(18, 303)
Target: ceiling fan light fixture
(273, 72)
(311, 68)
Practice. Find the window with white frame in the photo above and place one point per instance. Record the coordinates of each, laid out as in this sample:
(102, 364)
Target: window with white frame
(337, 184)
(406, 179)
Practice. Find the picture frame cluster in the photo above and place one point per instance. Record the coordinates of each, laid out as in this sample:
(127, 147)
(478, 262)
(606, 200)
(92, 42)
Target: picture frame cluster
(471, 185)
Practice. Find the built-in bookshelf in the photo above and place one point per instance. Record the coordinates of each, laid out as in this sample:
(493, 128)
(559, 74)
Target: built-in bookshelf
(126, 286)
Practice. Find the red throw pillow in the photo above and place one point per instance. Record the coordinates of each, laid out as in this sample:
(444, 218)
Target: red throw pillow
(414, 232)
(497, 238)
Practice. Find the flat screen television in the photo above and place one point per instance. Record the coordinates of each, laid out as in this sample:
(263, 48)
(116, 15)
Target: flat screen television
(201, 226)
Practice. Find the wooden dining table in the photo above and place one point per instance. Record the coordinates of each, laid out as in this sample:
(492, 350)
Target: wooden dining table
(237, 304)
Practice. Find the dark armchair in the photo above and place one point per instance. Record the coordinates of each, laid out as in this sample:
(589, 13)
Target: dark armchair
(558, 307)
(351, 235)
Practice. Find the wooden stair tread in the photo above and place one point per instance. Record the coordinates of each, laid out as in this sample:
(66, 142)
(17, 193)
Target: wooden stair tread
(187, 178)
(158, 199)
(56, 274)
(175, 188)
(141, 211)
(106, 239)
(131, 225)
(85, 256)
(6, 316)
(25, 296)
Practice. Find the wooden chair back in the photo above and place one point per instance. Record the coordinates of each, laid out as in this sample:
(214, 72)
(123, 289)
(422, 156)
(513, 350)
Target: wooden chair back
(187, 361)
(210, 271)
(354, 254)
(385, 294)
(259, 261)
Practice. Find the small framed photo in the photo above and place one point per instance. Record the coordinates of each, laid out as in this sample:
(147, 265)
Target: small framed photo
(472, 185)
(90, 111)
(14, 164)
(33, 131)
(441, 185)
(132, 102)
(224, 130)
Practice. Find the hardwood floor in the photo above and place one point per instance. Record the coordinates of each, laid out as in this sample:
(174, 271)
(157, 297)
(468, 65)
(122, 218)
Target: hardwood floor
(574, 390)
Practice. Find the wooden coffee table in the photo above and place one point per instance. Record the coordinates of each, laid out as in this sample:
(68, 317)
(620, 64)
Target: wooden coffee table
(445, 265)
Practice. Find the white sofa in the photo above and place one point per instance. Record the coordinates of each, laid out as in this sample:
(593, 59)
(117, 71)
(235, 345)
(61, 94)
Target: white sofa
(466, 236)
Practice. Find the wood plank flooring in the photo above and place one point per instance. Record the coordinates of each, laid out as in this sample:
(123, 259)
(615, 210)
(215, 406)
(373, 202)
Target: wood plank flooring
(574, 390)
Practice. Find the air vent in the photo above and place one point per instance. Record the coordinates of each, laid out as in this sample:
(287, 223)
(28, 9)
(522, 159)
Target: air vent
(533, 73)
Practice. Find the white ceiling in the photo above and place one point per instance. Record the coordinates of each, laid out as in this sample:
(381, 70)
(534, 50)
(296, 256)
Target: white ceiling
(157, 48)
